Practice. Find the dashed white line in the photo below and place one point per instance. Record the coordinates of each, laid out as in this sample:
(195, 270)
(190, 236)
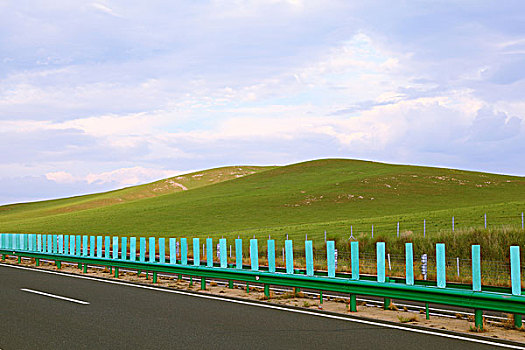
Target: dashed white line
(54, 296)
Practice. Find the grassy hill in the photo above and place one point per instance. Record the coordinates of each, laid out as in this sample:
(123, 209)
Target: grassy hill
(304, 198)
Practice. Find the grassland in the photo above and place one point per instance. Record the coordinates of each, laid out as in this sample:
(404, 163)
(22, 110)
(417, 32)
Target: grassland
(309, 198)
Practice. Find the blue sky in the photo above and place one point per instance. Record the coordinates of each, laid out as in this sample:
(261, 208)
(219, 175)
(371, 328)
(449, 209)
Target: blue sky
(105, 94)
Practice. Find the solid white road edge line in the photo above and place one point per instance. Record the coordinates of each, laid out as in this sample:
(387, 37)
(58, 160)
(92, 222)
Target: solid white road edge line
(373, 323)
(54, 296)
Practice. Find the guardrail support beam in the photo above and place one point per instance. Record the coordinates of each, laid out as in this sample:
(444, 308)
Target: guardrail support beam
(518, 321)
(154, 277)
(386, 303)
(116, 272)
(267, 291)
(478, 319)
(353, 303)
(203, 283)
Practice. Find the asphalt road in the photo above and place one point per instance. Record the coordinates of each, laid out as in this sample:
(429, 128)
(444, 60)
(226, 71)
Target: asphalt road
(126, 317)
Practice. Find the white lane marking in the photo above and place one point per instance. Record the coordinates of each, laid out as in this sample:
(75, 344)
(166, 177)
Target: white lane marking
(54, 296)
(356, 320)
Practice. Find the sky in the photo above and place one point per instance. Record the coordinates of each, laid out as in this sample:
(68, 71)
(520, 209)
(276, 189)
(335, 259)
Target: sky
(106, 94)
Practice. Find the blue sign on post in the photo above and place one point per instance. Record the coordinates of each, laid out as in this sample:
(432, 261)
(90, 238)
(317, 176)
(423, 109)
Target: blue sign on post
(440, 265)
(271, 255)
(162, 250)
(254, 254)
(354, 252)
(409, 264)
(330, 258)
(476, 268)
(115, 247)
(309, 254)
(184, 251)
(142, 253)
(209, 252)
(133, 248)
(196, 252)
(288, 247)
(173, 251)
(152, 249)
(223, 253)
(380, 246)
(238, 253)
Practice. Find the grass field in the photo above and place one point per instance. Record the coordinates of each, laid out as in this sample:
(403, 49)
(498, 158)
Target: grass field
(296, 200)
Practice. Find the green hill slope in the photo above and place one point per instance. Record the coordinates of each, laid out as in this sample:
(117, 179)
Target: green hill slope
(304, 198)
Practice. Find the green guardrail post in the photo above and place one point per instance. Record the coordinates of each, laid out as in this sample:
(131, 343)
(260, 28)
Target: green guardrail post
(37, 262)
(288, 247)
(209, 252)
(247, 287)
(309, 254)
(58, 263)
(238, 253)
(353, 303)
(354, 252)
(184, 251)
(254, 255)
(196, 252)
(152, 250)
(191, 281)
(478, 318)
(330, 258)
(154, 276)
(267, 291)
(116, 272)
(386, 303)
(409, 264)
(518, 321)
(223, 253)
(271, 255)
(85, 267)
(380, 247)
(230, 284)
(203, 283)
(441, 266)
(427, 311)
(321, 297)
(19, 259)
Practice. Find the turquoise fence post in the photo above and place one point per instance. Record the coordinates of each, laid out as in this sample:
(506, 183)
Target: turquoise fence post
(66, 245)
(183, 251)
(196, 252)
(409, 264)
(515, 275)
(115, 247)
(92, 246)
(238, 253)
(380, 246)
(142, 252)
(173, 250)
(254, 254)
(209, 252)
(330, 258)
(124, 248)
(152, 249)
(72, 244)
(440, 265)
(47, 244)
(60, 244)
(99, 246)
(35, 245)
(133, 248)
(309, 254)
(271, 255)
(107, 246)
(84, 245)
(354, 252)
(162, 250)
(288, 247)
(30, 242)
(223, 253)
(50, 243)
(55, 244)
(39, 243)
(78, 246)
(476, 268)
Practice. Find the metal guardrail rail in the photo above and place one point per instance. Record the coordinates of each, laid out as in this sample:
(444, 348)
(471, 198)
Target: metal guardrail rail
(89, 250)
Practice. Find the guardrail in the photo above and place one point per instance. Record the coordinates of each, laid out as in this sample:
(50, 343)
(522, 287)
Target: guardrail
(104, 251)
